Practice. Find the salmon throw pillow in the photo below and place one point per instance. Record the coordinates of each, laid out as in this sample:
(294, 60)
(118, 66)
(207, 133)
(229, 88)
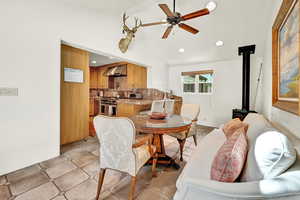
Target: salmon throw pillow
(230, 158)
(233, 125)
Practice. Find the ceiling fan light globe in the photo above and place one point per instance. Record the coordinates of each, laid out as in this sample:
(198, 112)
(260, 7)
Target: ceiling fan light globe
(181, 50)
(211, 6)
(219, 43)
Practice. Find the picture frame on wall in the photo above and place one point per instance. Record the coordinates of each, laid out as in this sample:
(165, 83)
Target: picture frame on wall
(286, 57)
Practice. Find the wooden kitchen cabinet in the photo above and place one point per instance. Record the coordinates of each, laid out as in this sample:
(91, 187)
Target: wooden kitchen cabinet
(129, 110)
(93, 78)
(92, 131)
(102, 79)
(136, 76)
(94, 107)
(97, 78)
(94, 111)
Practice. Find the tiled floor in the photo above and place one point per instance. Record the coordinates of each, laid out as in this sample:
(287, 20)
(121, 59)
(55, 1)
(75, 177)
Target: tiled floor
(73, 176)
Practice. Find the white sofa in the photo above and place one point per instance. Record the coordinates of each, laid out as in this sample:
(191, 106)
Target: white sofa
(194, 182)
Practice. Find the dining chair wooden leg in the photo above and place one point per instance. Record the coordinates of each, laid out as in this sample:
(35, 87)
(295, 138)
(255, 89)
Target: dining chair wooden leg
(100, 182)
(132, 188)
(154, 165)
(195, 139)
(181, 144)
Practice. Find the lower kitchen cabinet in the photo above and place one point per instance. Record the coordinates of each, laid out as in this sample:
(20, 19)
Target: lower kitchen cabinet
(129, 110)
(94, 111)
(92, 131)
(94, 107)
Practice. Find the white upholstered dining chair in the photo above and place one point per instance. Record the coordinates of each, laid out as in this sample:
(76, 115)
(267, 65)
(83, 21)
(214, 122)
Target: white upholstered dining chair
(157, 106)
(192, 112)
(119, 149)
(169, 106)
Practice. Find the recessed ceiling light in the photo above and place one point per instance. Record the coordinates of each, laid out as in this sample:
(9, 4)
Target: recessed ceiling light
(219, 43)
(94, 62)
(181, 50)
(211, 6)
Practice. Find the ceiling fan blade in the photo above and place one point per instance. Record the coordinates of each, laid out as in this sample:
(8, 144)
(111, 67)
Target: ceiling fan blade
(167, 32)
(166, 10)
(154, 23)
(195, 14)
(188, 28)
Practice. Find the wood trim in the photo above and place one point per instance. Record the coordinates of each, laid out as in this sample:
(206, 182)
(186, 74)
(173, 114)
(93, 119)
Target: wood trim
(113, 64)
(147, 139)
(292, 107)
(197, 72)
(299, 95)
(283, 12)
(162, 131)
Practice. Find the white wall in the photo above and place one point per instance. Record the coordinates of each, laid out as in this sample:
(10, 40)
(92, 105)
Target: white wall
(287, 120)
(227, 88)
(30, 36)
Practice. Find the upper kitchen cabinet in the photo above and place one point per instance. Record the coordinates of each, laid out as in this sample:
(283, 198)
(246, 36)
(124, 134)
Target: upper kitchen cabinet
(136, 76)
(102, 78)
(93, 77)
(121, 75)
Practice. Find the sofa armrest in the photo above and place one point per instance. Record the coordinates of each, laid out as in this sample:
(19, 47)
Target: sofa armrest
(285, 185)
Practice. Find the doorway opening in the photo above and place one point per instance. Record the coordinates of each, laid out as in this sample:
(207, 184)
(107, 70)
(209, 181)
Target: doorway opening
(91, 85)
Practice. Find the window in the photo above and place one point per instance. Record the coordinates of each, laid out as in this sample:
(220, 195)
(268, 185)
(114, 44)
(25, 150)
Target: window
(189, 83)
(198, 82)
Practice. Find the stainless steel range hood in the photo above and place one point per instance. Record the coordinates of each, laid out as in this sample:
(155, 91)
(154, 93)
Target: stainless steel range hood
(120, 70)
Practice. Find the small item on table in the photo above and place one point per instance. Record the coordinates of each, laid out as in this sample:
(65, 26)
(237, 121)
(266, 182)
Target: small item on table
(158, 115)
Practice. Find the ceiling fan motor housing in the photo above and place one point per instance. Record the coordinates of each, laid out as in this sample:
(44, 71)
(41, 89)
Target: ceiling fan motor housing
(174, 20)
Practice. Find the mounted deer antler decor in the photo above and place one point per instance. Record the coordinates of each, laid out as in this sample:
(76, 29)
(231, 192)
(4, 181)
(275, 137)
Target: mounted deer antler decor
(125, 42)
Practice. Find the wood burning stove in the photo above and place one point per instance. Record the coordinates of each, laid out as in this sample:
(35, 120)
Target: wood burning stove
(245, 51)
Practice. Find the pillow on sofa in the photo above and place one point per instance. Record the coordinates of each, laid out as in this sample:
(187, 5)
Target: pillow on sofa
(230, 127)
(274, 154)
(257, 125)
(230, 158)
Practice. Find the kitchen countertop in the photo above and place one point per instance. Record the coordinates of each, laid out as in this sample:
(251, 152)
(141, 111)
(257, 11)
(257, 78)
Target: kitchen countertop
(135, 101)
(131, 101)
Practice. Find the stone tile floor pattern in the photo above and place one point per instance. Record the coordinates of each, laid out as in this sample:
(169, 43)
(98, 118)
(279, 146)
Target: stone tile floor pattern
(74, 175)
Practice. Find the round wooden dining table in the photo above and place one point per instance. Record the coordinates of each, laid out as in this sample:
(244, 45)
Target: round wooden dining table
(171, 124)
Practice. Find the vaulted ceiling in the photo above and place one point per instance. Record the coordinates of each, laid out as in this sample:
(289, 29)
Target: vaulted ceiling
(235, 22)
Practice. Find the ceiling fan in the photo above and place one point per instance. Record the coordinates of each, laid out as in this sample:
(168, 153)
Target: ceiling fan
(175, 18)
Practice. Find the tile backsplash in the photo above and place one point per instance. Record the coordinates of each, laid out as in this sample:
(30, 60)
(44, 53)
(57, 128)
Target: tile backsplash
(148, 93)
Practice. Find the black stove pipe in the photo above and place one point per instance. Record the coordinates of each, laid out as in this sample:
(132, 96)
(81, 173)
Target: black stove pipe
(246, 51)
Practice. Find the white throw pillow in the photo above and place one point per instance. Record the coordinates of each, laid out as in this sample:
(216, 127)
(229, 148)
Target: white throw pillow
(274, 154)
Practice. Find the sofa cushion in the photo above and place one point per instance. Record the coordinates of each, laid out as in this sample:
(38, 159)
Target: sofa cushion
(199, 163)
(230, 127)
(257, 125)
(230, 159)
(274, 153)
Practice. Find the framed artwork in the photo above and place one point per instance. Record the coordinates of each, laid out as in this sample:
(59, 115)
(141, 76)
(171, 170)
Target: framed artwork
(286, 57)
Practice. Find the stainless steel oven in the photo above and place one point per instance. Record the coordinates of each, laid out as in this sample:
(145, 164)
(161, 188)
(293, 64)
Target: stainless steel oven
(108, 106)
